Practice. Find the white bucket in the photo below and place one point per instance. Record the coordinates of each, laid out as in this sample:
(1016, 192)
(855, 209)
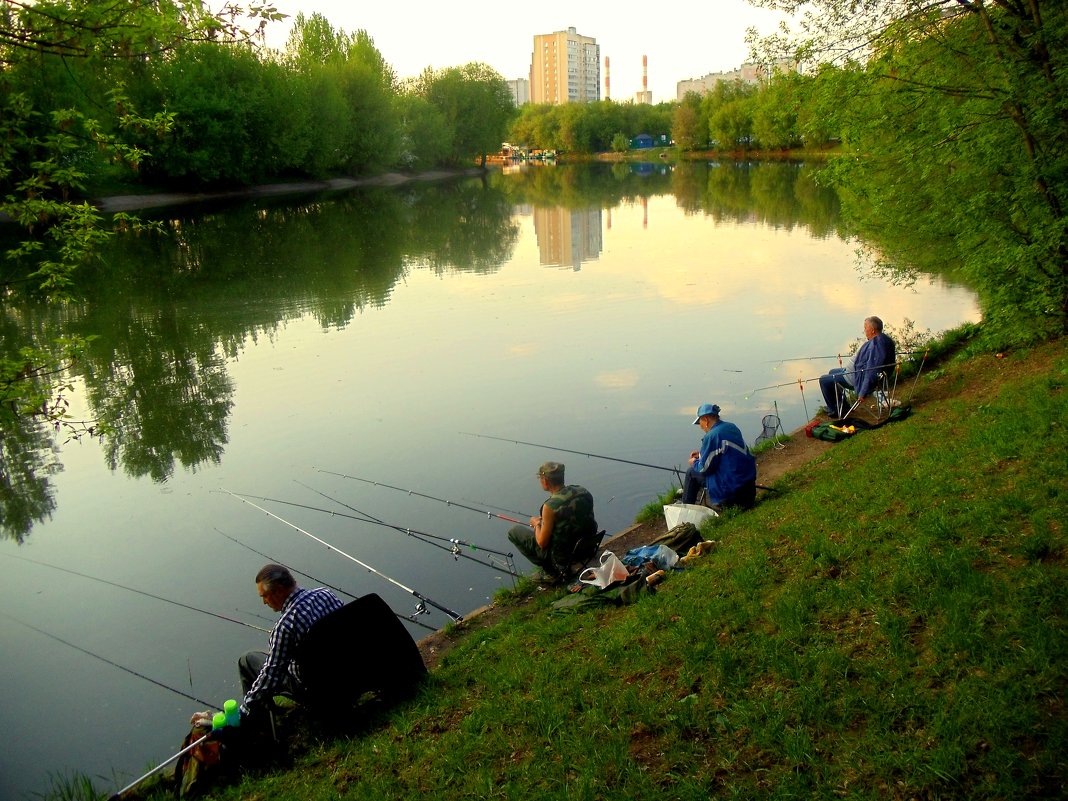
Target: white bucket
(676, 513)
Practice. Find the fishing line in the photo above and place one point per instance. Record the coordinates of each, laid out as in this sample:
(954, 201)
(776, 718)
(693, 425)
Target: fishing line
(453, 549)
(445, 501)
(674, 470)
(113, 664)
(502, 508)
(456, 543)
(423, 600)
(139, 592)
(316, 580)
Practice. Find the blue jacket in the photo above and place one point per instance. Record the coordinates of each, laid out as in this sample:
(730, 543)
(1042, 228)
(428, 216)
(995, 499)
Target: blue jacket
(874, 355)
(725, 461)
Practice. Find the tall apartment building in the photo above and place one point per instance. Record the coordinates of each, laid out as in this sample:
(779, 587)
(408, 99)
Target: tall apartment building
(565, 68)
(520, 89)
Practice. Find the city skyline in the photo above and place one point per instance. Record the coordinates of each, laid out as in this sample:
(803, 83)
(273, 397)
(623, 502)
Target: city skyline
(423, 34)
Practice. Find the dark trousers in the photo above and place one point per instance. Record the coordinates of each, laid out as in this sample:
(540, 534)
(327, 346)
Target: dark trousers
(522, 537)
(744, 497)
(833, 386)
(249, 666)
(691, 486)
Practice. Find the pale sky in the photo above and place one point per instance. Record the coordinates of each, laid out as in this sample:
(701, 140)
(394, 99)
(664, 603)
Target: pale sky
(681, 41)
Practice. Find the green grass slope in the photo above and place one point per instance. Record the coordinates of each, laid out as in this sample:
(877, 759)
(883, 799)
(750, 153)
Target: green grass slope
(890, 625)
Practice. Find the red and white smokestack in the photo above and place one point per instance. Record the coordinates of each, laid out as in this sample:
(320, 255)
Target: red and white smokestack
(607, 81)
(645, 73)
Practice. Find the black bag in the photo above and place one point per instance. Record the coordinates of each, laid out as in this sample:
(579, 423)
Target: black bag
(361, 648)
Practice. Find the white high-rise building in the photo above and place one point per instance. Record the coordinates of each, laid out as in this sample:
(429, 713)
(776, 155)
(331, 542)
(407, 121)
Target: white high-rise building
(520, 89)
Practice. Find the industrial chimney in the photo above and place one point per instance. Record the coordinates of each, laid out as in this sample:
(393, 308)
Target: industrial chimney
(607, 81)
(645, 96)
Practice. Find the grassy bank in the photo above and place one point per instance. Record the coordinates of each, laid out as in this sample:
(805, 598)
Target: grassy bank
(891, 624)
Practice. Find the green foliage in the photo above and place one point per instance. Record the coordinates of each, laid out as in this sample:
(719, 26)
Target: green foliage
(955, 127)
(775, 116)
(476, 105)
(689, 129)
(587, 127)
(425, 138)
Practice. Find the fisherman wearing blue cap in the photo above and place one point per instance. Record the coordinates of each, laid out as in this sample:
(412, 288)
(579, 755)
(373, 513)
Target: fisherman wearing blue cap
(724, 467)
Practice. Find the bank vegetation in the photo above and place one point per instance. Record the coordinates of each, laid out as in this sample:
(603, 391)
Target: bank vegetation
(889, 624)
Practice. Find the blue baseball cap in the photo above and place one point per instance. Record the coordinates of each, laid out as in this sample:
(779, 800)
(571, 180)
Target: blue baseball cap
(706, 408)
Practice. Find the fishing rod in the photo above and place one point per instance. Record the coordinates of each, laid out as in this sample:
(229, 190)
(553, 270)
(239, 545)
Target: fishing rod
(445, 501)
(109, 662)
(916, 380)
(502, 508)
(139, 592)
(118, 793)
(674, 470)
(837, 356)
(419, 536)
(801, 359)
(809, 380)
(316, 580)
(456, 543)
(423, 600)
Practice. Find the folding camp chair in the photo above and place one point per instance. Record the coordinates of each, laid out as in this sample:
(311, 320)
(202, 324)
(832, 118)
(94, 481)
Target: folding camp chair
(582, 554)
(882, 397)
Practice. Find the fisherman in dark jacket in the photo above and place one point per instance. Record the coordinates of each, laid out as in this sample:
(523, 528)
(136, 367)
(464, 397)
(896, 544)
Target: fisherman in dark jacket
(723, 467)
(875, 355)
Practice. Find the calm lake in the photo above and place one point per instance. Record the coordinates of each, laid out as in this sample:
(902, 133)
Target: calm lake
(264, 348)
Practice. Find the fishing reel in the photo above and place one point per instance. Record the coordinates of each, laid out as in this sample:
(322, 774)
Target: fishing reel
(420, 609)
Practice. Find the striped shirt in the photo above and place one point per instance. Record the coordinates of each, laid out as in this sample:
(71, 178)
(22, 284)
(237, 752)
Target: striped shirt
(301, 609)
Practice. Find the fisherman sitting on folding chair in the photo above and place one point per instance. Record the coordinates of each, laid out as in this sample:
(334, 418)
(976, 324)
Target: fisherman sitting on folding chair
(565, 535)
(874, 356)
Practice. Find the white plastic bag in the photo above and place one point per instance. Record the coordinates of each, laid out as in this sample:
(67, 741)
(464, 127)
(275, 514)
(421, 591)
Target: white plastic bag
(608, 572)
(676, 513)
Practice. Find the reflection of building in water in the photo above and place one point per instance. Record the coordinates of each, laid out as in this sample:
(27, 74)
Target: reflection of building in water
(568, 237)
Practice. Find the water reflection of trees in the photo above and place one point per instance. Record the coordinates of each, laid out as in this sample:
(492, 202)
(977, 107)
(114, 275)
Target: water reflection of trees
(166, 311)
(28, 457)
(781, 194)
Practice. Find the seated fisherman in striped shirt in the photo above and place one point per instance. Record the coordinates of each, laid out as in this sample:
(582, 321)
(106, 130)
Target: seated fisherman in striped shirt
(265, 675)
